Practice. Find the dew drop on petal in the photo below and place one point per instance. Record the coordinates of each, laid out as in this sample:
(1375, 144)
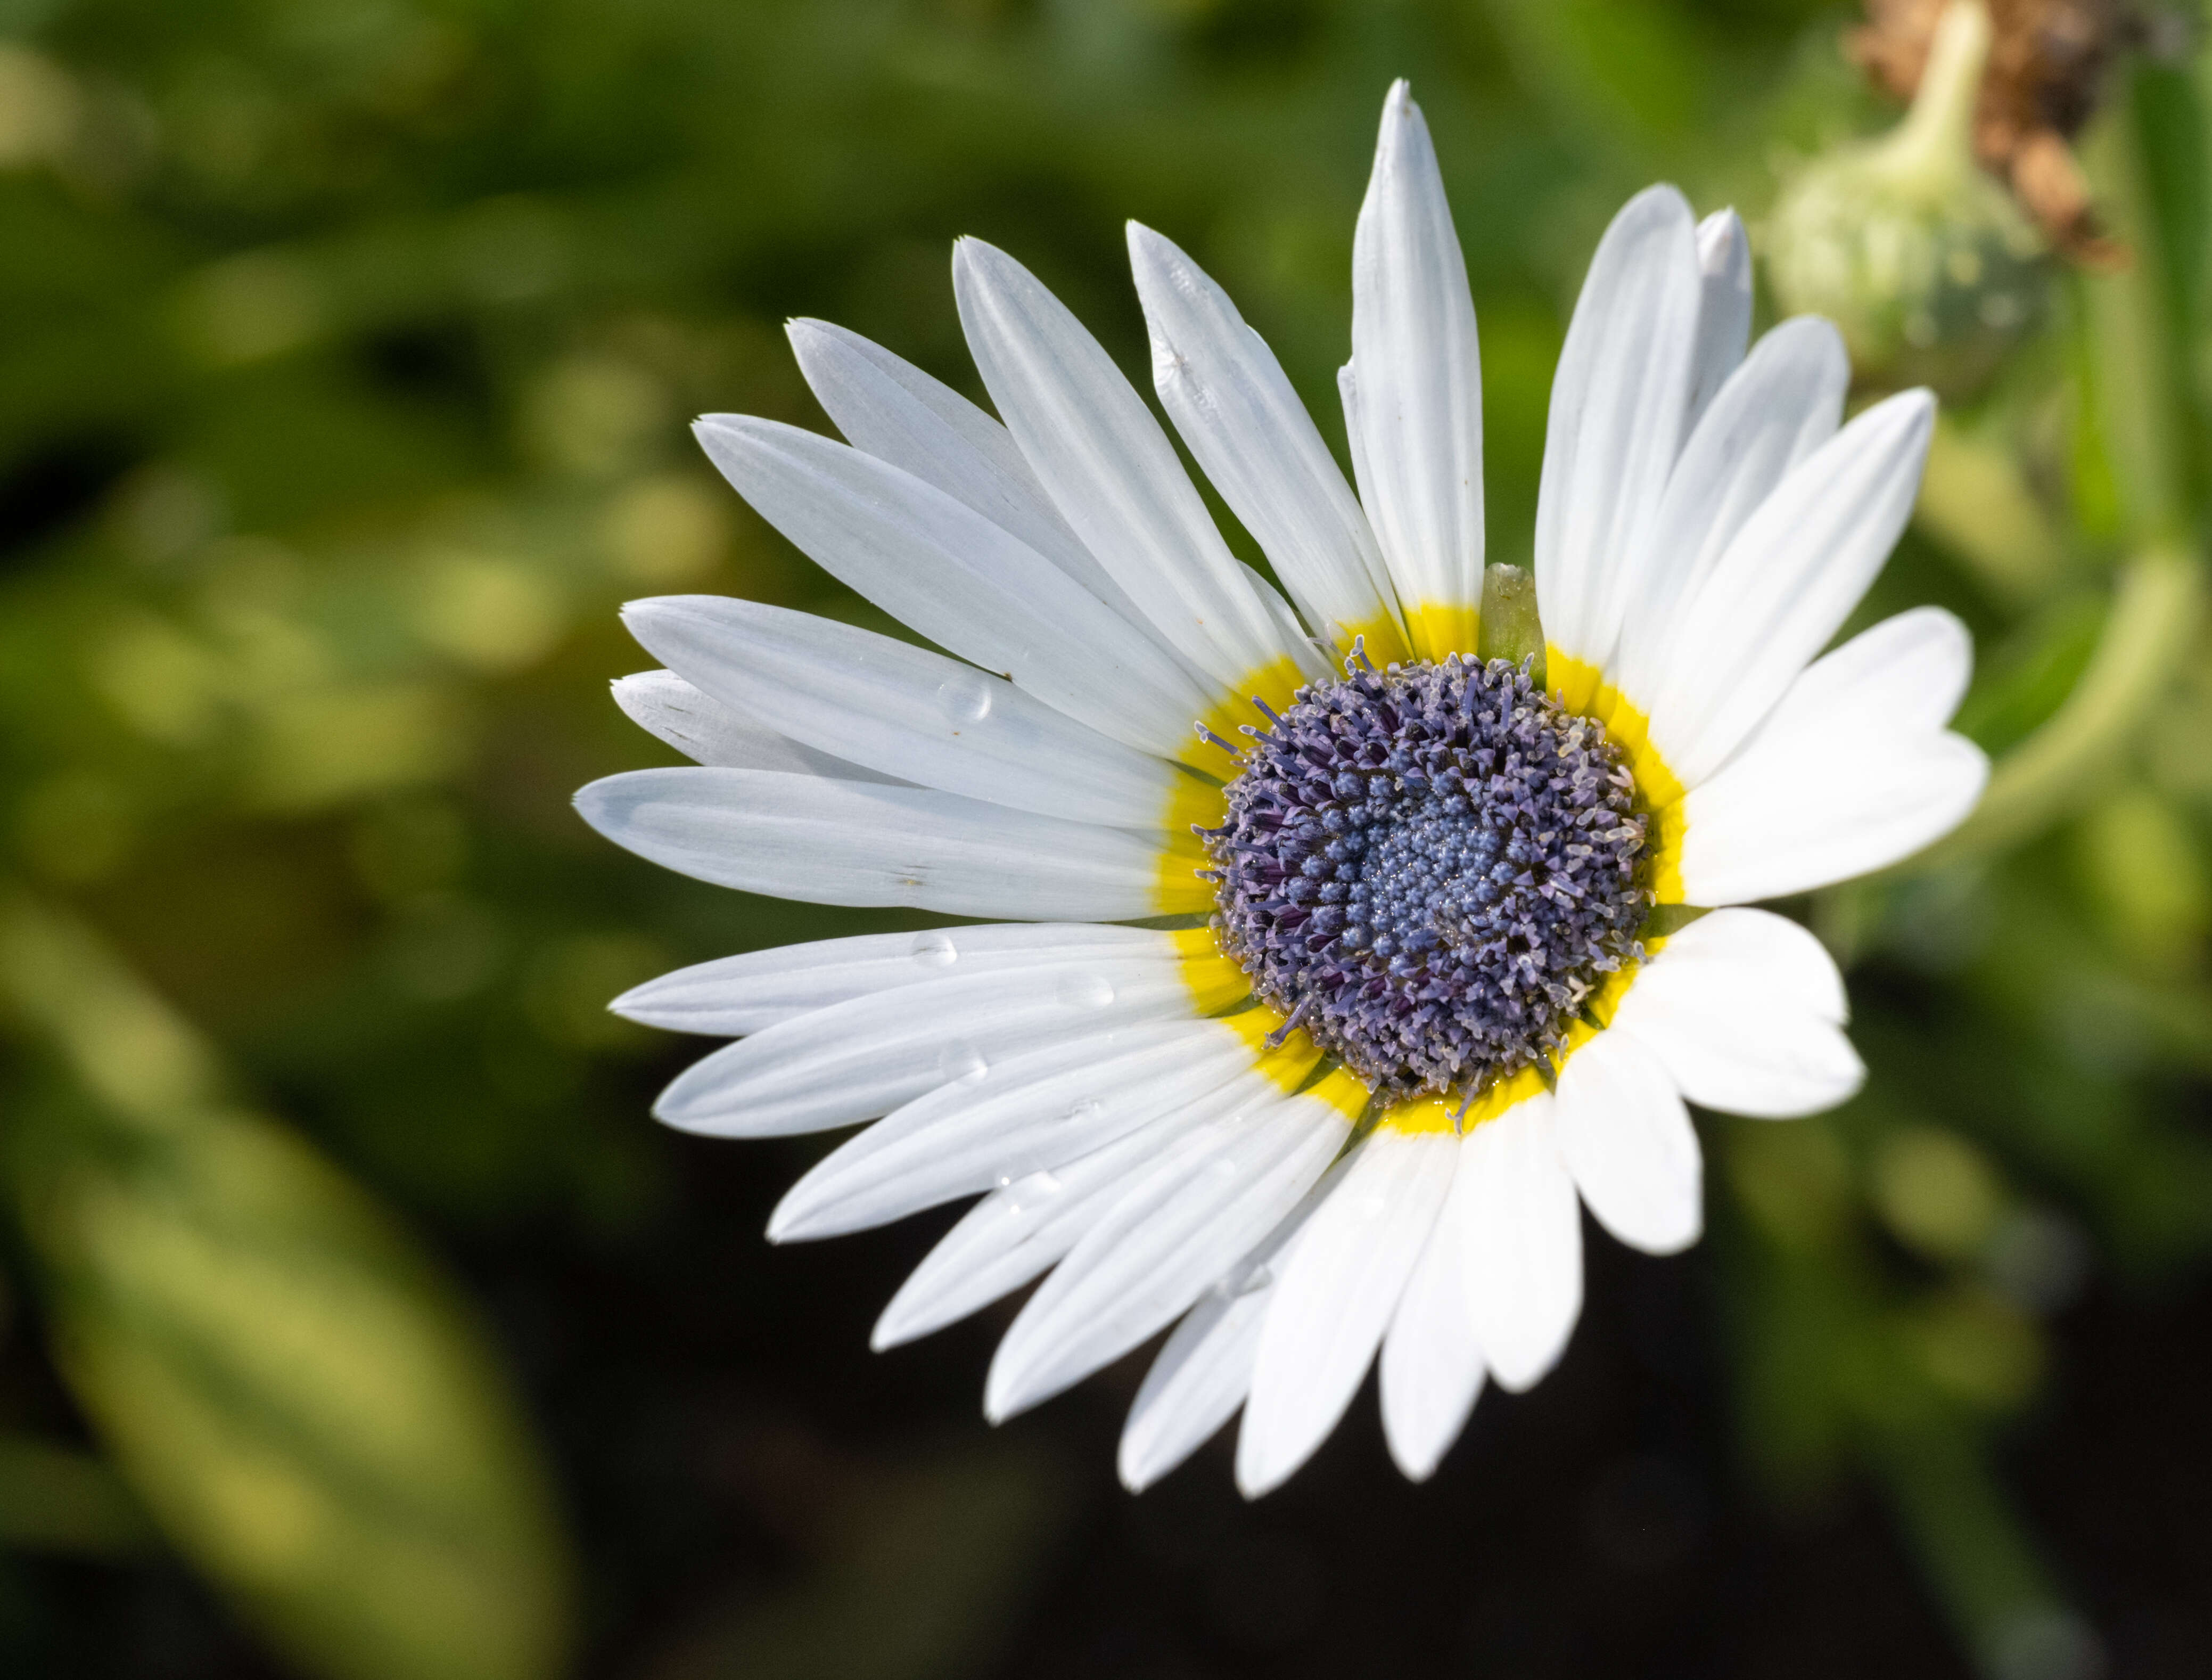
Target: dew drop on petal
(1085, 991)
(1032, 1191)
(1083, 1112)
(965, 698)
(961, 1064)
(935, 950)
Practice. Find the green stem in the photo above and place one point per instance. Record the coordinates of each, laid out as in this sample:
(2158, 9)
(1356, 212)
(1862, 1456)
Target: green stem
(1971, 1542)
(2158, 598)
(1937, 133)
(2132, 394)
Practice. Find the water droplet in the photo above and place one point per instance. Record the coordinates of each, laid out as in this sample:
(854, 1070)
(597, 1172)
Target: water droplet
(965, 698)
(1037, 1190)
(935, 950)
(1085, 991)
(961, 1064)
(1083, 1112)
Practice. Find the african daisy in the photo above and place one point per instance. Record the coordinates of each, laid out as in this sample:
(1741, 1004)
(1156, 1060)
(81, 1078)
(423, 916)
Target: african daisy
(1305, 1030)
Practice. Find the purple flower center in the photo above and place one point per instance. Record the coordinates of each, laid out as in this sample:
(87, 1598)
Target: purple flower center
(1430, 869)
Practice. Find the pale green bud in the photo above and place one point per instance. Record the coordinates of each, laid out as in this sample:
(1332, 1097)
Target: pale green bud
(1923, 260)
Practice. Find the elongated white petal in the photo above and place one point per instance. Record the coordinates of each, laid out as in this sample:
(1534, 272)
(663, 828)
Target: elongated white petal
(1431, 1368)
(1203, 1369)
(1851, 771)
(934, 563)
(1024, 1115)
(703, 728)
(854, 1061)
(1744, 1011)
(1253, 439)
(734, 996)
(1017, 1232)
(1785, 584)
(1328, 1310)
(1620, 408)
(1524, 1243)
(1784, 402)
(1791, 966)
(1723, 307)
(1417, 418)
(1312, 658)
(889, 408)
(852, 842)
(1108, 466)
(1628, 1142)
(1904, 676)
(1754, 837)
(1175, 1232)
(902, 710)
(1363, 477)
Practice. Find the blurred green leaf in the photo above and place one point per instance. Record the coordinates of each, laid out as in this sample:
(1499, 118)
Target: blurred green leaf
(305, 1407)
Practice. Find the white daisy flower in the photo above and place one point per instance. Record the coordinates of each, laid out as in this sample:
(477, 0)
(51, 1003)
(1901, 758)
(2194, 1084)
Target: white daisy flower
(1306, 1031)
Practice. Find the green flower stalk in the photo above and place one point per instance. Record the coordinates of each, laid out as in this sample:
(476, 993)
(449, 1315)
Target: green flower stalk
(1923, 261)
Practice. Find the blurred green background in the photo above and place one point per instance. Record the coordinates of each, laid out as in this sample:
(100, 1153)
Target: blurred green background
(356, 1321)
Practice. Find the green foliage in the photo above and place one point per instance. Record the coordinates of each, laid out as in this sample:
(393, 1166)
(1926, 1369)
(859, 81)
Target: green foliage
(305, 1410)
(351, 348)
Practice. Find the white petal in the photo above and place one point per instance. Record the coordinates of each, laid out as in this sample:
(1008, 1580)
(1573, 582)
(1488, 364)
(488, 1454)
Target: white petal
(1431, 1367)
(1013, 1233)
(852, 842)
(1723, 307)
(1024, 1115)
(1628, 1141)
(1363, 477)
(1905, 675)
(854, 1061)
(1314, 665)
(1175, 1232)
(1851, 772)
(1524, 1243)
(890, 409)
(1108, 466)
(704, 729)
(968, 586)
(1418, 414)
(1782, 403)
(1619, 406)
(1787, 581)
(1773, 824)
(733, 996)
(1743, 1010)
(1791, 964)
(1203, 1369)
(901, 709)
(1334, 1300)
(1255, 441)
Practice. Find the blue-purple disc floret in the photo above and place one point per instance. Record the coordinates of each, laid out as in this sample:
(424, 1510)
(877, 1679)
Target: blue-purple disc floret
(1430, 869)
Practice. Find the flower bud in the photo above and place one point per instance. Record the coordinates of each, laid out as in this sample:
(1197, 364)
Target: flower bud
(1924, 262)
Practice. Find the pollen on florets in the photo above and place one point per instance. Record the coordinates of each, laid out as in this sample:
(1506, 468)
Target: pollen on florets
(1430, 869)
